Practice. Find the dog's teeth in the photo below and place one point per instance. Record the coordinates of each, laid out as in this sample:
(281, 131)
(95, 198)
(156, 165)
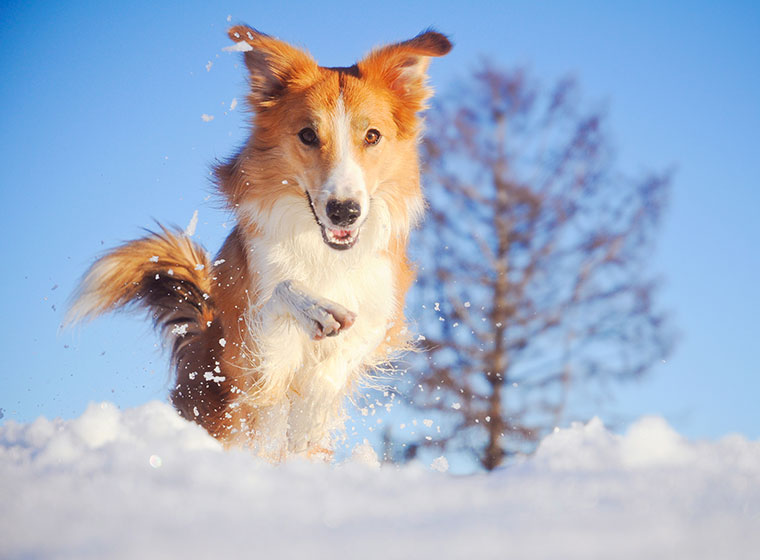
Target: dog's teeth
(340, 237)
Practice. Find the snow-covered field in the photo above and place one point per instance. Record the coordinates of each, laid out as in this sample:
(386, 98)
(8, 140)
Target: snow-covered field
(142, 483)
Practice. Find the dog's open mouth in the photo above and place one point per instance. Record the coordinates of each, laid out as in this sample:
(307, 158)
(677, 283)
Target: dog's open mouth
(339, 239)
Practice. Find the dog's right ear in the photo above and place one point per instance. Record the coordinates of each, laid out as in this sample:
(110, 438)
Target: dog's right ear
(403, 66)
(273, 64)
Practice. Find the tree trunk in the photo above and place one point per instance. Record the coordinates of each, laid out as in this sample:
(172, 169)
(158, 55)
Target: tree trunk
(498, 360)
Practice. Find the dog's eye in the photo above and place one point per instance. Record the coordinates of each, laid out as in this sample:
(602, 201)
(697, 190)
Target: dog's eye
(372, 137)
(308, 136)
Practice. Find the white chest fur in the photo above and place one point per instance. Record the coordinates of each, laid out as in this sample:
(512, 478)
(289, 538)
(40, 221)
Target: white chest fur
(309, 379)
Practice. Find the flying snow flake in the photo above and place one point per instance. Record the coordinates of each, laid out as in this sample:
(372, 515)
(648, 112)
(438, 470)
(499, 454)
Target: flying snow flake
(428, 422)
(199, 266)
(190, 229)
(240, 46)
(229, 18)
(180, 330)
(440, 464)
(195, 411)
(208, 66)
(220, 261)
(222, 342)
(209, 376)
(155, 461)
(207, 118)
(154, 258)
(456, 406)
(233, 104)
(284, 181)
(467, 304)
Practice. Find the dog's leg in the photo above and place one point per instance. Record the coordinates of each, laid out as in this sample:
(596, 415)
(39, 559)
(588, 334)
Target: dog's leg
(281, 404)
(318, 317)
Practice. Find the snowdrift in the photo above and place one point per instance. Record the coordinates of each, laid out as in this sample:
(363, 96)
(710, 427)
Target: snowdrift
(143, 483)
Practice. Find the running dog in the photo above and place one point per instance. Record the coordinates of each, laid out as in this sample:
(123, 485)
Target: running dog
(306, 296)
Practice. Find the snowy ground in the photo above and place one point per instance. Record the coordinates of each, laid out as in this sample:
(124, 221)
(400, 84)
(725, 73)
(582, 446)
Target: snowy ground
(142, 483)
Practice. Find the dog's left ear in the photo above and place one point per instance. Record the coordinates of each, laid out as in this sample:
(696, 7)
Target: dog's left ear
(273, 65)
(403, 66)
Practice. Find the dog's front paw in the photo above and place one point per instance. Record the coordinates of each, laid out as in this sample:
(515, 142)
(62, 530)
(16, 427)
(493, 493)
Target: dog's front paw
(319, 317)
(329, 319)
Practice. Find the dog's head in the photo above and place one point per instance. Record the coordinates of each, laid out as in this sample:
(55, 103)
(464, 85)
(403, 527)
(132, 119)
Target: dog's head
(340, 138)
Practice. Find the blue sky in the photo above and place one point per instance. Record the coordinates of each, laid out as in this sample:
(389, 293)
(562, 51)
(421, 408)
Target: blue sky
(102, 133)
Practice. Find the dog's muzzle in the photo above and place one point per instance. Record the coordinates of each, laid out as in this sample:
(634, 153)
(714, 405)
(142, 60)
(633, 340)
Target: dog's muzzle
(342, 214)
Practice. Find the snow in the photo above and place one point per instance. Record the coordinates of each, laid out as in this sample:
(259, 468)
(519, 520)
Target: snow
(192, 225)
(364, 454)
(440, 464)
(209, 376)
(240, 46)
(143, 483)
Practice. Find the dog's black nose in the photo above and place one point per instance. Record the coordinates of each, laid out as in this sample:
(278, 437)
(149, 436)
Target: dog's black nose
(343, 213)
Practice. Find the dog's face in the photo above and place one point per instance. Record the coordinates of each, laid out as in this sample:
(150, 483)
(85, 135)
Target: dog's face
(337, 137)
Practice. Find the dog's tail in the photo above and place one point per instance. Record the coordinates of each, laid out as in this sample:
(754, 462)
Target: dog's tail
(164, 273)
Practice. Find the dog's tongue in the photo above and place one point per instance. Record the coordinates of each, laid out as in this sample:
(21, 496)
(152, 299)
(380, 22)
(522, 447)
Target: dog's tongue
(341, 233)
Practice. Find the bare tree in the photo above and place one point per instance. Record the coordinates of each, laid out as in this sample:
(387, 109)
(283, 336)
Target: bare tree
(532, 265)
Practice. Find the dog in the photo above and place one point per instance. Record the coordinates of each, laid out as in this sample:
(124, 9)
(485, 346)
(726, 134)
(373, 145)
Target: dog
(305, 298)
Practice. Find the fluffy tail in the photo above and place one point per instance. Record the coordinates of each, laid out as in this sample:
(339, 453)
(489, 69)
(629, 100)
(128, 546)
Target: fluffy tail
(164, 273)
